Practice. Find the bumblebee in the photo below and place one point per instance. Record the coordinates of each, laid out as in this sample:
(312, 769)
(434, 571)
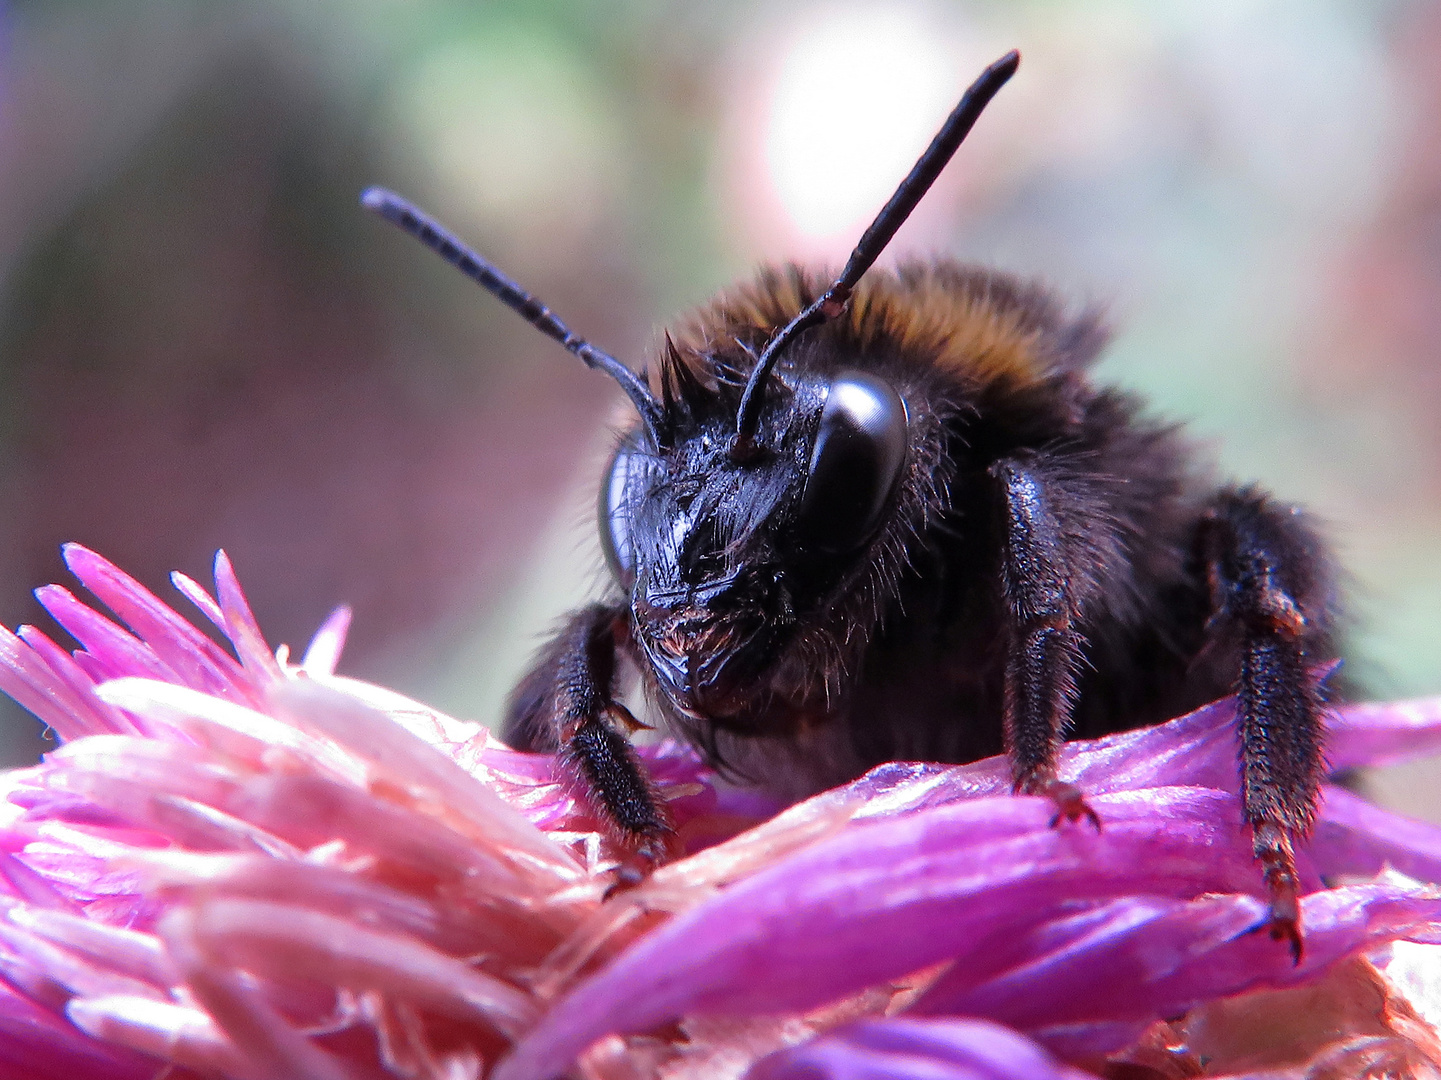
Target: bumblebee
(889, 516)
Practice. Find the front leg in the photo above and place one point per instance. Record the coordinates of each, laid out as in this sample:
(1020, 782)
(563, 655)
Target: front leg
(1043, 647)
(1270, 585)
(566, 705)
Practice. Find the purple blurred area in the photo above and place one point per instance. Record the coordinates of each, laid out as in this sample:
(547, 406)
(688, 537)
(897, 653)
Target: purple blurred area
(205, 343)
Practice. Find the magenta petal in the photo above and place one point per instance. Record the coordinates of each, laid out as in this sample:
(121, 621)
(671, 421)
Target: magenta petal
(888, 897)
(1195, 750)
(37, 1044)
(31, 682)
(66, 685)
(1354, 837)
(906, 1049)
(1161, 956)
(1383, 734)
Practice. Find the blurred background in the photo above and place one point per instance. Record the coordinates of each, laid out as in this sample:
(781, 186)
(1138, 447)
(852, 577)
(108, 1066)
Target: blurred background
(205, 343)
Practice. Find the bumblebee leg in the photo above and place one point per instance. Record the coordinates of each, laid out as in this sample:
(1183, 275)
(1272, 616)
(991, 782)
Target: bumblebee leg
(1044, 650)
(566, 705)
(1270, 597)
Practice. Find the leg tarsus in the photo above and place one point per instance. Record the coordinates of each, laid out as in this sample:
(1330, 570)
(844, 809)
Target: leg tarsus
(1071, 805)
(1283, 887)
(653, 850)
(1070, 802)
(1270, 583)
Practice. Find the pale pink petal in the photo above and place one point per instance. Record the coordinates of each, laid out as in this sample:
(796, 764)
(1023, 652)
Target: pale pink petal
(270, 1048)
(181, 1034)
(395, 752)
(283, 941)
(196, 593)
(323, 654)
(129, 952)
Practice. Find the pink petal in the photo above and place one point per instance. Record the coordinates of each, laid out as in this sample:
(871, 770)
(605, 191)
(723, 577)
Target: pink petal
(176, 1034)
(241, 627)
(193, 591)
(103, 716)
(72, 686)
(323, 654)
(268, 1046)
(27, 678)
(288, 942)
(193, 656)
(121, 652)
(396, 752)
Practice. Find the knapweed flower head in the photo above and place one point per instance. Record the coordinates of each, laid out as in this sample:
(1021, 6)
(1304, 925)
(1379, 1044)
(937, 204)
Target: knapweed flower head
(238, 865)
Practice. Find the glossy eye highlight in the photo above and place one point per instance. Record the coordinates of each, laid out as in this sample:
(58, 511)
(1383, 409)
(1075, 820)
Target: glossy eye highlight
(614, 515)
(859, 452)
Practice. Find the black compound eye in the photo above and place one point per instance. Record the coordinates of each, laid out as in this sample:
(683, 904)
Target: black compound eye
(617, 502)
(859, 453)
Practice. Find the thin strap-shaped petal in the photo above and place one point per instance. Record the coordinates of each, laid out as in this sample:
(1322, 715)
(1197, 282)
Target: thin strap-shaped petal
(27, 678)
(32, 887)
(197, 659)
(119, 650)
(175, 1034)
(104, 716)
(195, 712)
(193, 591)
(130, 952)
(1163, 956)
(76, 973)
(394, 750)
(268, 1045)
(323, 654)
(241, 627)
(285, 941)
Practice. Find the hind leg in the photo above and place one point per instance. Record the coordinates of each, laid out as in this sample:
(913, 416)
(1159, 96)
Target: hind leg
(1271, 600)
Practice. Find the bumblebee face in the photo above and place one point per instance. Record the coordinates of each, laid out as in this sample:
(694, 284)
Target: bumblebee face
(722, 559)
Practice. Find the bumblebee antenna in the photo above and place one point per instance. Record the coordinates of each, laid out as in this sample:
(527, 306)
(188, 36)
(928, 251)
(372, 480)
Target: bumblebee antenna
(913, 188)
(432, 234)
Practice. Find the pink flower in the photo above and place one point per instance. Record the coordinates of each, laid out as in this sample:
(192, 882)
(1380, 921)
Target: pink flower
(247, 867)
